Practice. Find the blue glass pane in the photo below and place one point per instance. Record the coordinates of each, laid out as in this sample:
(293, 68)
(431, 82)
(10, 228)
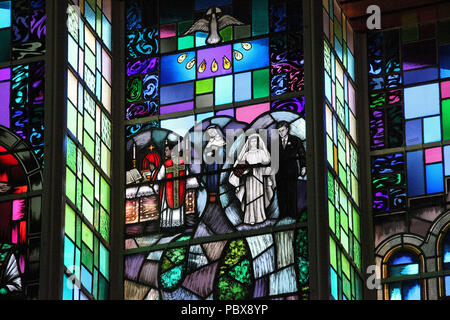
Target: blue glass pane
(444, 57)
(404, 270)
(200, 39)
(251, 55)
(351, 64)
(72, 52)
(447, 160)
(402, 258)
(395, 292)
(432, 129)
(179, 125)
(421, 75)
(415, 172)
(447, 286)
(416, 98)
(86, 279)
(243, 86)
(178, 68)
(411, 290)
(5, 14)
(435, 178)
(177, 93)
(413, 131)
(338, 48)
(106, 32)
(90, 15)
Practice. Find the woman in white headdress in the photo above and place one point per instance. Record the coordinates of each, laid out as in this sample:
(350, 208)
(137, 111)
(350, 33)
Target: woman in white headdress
(254, 185)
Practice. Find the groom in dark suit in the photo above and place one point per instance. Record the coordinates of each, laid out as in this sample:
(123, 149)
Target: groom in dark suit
(292, 159)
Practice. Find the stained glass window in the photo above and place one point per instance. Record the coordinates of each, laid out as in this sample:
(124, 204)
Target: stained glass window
(22, 87)
(204, 105)
(444, 263)
(88, 152)
(404, 263)
(341, 154)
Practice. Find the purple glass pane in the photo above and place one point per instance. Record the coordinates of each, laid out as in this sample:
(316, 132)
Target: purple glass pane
(4, 103)
(214, 62)
(177, 107)
(5, 74)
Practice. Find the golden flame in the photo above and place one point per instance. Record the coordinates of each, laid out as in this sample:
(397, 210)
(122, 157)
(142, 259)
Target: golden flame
(214, 66)
(202, 67)
(182, 58)
(246, 46)
(238, 55)
(190, 64)
(226, 63)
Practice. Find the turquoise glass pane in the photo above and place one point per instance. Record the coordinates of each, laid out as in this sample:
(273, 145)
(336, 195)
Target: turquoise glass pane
(334, 283)
(260, 17)
(243, 86)
(69, 250)
(5, 14)
(431, 129)
(224, 90)
(395, 292)
(67, 288)
(404, 270)
(90, 15)
(106, 32)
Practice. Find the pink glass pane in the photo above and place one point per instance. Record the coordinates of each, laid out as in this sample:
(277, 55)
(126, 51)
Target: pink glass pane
(4, 103)
(445, 89)
(250, 113)
(168, 30)
(433, 155)
(18, 209)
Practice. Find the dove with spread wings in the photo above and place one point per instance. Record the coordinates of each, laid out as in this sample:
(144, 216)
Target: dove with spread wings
(214, 22)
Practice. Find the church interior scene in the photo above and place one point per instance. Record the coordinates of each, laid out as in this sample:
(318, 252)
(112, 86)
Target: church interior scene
(224, 150)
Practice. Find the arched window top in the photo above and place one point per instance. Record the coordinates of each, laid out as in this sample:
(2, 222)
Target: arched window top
(403, 263)
(446, 250)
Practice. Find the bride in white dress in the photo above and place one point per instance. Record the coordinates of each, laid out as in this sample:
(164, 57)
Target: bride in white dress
(254, 186)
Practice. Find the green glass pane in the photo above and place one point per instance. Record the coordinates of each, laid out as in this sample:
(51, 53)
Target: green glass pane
(96, 215)
(106, 160)
(338, 30)
(96, 255)
(104, 225)
(260, 17)
(333, 261)
(88, 210)
(105, 194)
(97, 185)
(88, 169)
(79, 133)
(88, 190)
(72, 115)
(71, 182)
(95, 284)
(340, 92)
(186, 42)
(5, 48)
(260, 83)
(89, 125)
(99, 22)
(89, 59)
(342, 175)
(331, 216)
(78, 229)
(346, 287)
(241, 32)
(89, 145)
(71, 156)
(344, 221)
(345, 265)
(104, 261)
(79, 194)
(87, 257)
(446, 119)
(78, 263)
(69, 224)
(227, 34)
(356, 224)
(88, 236)
(102, 288)
(204, 86)
(344, 240)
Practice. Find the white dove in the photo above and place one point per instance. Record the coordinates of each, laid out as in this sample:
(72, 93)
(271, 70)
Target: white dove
(213, 23)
